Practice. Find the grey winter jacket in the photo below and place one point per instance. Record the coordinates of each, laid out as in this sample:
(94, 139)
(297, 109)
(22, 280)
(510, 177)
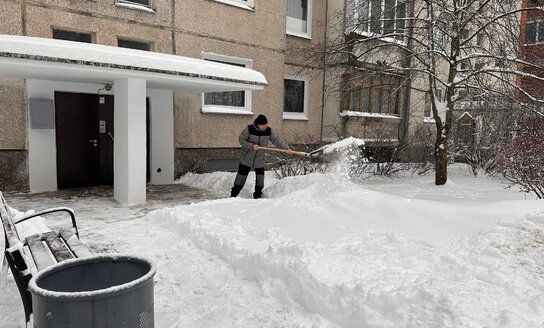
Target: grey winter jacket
(252, 135)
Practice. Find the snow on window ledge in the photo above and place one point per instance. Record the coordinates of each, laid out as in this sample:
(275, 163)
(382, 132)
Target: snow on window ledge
(295, 116)
(225, 110)
(135, 6)
(238, 4)
(349, 113)
(299, 35)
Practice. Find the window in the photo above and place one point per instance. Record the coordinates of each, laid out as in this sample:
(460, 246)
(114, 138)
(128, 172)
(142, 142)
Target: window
(295, 95)
(140, 5)
(438, 35)
(299, 17)
(142, 2)
(502, 57)
(480, 40)
(382, 17)
(72, 36)
(428, 106)
(505, 5)
(245, 4)
(534, 32)
(133, 44)
(374, 93)
(228, 101)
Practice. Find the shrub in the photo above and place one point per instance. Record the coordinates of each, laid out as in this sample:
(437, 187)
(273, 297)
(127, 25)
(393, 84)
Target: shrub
(522, 158)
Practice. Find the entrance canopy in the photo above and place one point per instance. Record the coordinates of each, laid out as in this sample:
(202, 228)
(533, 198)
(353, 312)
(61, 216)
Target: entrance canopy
(133, 73)
(50, 59)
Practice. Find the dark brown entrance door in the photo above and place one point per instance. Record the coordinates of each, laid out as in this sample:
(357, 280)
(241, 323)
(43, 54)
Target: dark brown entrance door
(84, 137)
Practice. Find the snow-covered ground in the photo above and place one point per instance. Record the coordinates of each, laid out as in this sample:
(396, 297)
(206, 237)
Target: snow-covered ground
(322, 251)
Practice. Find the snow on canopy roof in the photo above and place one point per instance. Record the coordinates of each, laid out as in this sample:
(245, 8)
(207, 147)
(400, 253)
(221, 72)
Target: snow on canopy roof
(91, 56)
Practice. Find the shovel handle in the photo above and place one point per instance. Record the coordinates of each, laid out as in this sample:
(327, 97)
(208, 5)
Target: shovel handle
(299, 153)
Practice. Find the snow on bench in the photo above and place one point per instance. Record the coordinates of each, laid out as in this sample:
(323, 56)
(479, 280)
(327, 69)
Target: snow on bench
(27, 256)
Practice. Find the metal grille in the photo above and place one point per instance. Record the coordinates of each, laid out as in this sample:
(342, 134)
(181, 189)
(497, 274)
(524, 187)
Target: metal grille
(146, 319)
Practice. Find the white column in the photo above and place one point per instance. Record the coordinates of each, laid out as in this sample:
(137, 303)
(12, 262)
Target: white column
(161, 103)
(129, 151)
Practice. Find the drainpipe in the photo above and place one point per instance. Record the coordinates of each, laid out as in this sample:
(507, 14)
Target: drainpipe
(324, 69)
(405, 117)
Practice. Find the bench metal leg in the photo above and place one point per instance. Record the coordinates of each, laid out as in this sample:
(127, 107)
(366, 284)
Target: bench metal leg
(22, 287)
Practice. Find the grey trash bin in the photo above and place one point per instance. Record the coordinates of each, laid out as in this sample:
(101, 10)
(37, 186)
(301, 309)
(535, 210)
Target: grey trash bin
(106, 291)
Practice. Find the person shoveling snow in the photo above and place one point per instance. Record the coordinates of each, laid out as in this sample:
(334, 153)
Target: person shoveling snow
(254, 139)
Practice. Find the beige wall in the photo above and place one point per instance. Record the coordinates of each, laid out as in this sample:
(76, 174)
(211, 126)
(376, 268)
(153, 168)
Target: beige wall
(263, 27)
(257, 35)
(12, 100)
(10, 17)
(107, 10)
(41, 21)
(305, 131)
(298, 63)
(194, 129)
(13, 115)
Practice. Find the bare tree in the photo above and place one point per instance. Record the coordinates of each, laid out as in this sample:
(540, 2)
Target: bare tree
(451, 50)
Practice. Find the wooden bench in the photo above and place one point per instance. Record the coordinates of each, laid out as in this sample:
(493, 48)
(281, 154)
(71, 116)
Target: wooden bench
(27, 256)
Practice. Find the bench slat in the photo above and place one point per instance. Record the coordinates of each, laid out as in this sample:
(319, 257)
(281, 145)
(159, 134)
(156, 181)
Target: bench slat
(7, 221)
(58, 249)
(76, 246)
(39, 252)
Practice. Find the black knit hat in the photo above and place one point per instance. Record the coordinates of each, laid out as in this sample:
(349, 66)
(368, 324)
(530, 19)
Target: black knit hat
(260, 120)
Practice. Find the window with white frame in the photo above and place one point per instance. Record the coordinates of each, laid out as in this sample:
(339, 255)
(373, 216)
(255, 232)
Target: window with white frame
(228, 100)
(141, 5)
(246, 4)
(299, 17)
(534, 32)
(382, 17)
(295, 95)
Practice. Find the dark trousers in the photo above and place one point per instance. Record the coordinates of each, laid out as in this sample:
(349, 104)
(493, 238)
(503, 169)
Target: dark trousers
(241, 178)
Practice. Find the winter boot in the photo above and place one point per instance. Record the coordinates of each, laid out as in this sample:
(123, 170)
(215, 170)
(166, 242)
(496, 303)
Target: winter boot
(235, 190)
(258, 192)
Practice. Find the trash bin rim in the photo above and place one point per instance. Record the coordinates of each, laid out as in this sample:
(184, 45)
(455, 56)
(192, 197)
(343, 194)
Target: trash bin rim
(100, 293)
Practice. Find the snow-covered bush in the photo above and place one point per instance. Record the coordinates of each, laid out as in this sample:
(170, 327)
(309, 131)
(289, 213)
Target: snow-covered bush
(522, 158)
(482, 159)
(287, 166)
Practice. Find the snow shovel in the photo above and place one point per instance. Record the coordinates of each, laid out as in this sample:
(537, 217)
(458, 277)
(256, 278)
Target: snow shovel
(299, 153)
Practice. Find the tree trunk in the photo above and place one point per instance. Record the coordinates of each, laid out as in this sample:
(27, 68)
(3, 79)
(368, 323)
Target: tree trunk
(441, 158)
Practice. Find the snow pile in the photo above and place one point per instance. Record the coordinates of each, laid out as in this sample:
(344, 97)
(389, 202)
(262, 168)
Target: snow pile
(223, 181)
(323, 251)
(343, 144)
(363, 258)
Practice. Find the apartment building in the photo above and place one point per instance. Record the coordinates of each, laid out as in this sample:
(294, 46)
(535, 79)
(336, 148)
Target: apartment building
(186, 130)
(370, 105)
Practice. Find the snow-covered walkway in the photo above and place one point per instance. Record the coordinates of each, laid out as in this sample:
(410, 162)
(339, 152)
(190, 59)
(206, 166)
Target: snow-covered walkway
(321, 251)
